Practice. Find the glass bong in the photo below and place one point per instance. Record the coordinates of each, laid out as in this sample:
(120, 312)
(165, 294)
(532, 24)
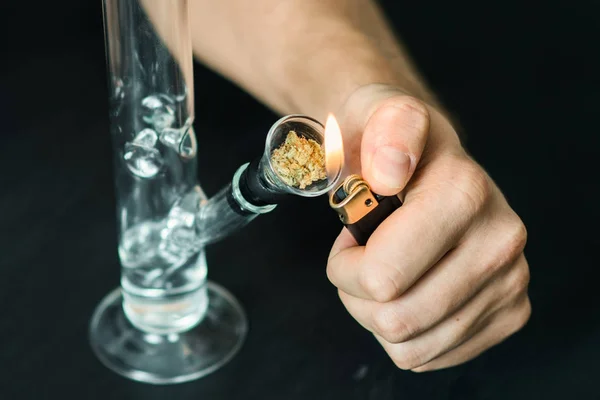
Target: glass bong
(167, 323)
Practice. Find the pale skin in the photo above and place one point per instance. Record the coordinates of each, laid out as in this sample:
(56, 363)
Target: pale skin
(444, 278)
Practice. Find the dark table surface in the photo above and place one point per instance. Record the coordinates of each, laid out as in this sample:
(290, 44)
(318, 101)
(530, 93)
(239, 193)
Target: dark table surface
(523, 80)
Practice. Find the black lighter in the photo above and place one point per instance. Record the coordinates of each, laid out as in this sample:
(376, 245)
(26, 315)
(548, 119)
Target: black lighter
(359, 209)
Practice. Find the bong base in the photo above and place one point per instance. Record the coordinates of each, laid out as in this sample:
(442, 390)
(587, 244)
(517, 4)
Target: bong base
(171, 358)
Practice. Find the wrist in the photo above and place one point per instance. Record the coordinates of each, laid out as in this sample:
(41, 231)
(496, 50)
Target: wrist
(321, 81)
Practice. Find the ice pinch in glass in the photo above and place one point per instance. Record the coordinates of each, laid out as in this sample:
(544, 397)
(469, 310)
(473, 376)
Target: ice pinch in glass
(166, 323)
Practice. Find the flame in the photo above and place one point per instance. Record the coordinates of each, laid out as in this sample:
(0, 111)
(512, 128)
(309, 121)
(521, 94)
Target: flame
(334, 148)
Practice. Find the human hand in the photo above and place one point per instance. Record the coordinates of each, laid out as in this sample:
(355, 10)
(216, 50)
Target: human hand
(444, 277)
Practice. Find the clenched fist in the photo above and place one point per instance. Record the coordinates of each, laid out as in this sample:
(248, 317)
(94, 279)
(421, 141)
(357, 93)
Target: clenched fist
(444, 277)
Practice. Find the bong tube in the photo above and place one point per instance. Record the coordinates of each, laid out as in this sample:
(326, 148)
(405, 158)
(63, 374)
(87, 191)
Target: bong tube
(165, 220)
(151, 111)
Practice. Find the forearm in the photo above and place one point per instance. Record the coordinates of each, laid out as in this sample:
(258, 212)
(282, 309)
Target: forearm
(301, 55)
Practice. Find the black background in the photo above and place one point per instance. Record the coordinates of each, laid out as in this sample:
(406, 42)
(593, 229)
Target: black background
(521, 76)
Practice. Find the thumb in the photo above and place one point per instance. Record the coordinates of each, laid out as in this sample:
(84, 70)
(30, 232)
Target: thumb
(392, 143)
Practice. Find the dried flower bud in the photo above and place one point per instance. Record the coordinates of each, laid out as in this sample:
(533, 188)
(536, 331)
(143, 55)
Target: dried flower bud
(299, 161)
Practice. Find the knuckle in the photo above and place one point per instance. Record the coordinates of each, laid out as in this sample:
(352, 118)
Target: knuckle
(472, 186)
(422, 368)
(417, 107)
(407, 357)
(519, 282)
(513, 241)
(392, 325)
(329, 273)
(490, 266)
(463, 329)
(331, 276)
(517, 237)
(414, 109)
(508, 246)
(378, 285)
(521, 316)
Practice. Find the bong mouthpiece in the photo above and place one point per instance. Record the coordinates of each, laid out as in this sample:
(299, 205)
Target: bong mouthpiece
(300, 171)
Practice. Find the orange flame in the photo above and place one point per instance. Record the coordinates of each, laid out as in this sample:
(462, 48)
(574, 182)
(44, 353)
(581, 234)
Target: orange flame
(334, 148)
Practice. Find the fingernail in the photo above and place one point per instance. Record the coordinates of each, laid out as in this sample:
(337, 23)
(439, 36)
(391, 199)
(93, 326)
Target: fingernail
(390, 166)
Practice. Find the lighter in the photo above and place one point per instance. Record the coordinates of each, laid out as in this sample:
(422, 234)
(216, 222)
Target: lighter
(359, 209)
